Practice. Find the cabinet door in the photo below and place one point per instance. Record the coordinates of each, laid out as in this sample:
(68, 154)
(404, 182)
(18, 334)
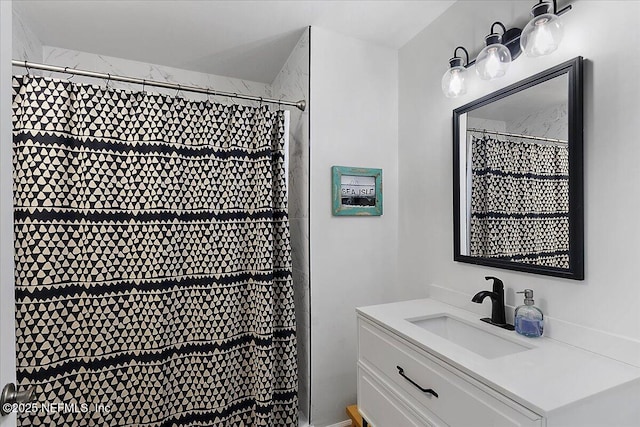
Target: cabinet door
(381, 408)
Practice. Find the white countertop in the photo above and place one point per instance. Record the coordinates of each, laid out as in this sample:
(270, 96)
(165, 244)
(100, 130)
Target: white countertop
(545, 378)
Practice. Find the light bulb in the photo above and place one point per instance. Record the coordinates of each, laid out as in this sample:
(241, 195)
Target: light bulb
(494, 60)
(493, 63)
(456, 85)
(453, 79)
(543, 33)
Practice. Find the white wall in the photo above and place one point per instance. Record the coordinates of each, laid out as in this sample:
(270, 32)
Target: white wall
(607, 35)
(354, 116)
(293, 83)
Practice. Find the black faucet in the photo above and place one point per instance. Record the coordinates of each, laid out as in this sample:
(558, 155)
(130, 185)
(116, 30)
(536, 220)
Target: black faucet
(497, 301)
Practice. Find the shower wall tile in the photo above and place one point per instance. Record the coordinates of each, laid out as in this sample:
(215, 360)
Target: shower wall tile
(552, 122)
(299, 170)
(299, 230)
(25, 44)
(488, 124)
(119, 66)
(301, 296)
(292, 83)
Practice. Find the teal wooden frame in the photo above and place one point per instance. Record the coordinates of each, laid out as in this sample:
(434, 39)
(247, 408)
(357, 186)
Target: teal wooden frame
(347, 210)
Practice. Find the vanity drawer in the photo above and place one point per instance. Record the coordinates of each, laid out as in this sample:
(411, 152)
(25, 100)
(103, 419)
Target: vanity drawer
(380, 407)
(461, 401)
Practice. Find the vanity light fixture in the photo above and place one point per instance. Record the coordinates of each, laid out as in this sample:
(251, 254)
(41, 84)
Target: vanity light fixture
(541, 36)
(543, 33)
(453, 80)
(494, 60)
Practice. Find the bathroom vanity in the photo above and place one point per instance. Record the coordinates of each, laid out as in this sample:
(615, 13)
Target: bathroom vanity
(426, 363)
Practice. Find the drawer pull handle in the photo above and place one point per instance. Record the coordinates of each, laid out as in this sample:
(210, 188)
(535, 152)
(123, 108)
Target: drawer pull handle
(424, 390)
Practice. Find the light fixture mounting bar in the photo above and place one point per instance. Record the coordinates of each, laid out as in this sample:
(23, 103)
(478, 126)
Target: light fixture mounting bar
(516, 38)
(561, 11)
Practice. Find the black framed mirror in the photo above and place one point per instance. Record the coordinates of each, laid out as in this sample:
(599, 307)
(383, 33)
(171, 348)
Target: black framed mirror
(518, 176)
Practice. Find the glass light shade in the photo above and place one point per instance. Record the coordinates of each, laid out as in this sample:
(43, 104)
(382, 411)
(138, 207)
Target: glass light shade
(453, 82)
(542, 35)
(494, 60)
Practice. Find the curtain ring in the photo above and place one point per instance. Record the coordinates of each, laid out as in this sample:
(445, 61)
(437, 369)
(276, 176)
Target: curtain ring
(143, 88)
(27, 68)
(179, 92)
(71, 75)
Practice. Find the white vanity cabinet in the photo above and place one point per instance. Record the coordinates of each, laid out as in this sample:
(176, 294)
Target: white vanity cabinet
(455, 400)
(403, 381)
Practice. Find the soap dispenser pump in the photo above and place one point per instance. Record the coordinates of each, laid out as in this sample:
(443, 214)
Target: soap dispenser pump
(529, 320)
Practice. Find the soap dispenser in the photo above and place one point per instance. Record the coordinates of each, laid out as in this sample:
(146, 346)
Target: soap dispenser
(529, 320)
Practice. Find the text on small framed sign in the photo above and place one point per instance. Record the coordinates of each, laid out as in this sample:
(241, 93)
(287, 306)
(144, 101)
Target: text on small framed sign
(356, 191)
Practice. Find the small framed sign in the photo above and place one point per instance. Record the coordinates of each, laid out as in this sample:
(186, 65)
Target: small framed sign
(356, 191)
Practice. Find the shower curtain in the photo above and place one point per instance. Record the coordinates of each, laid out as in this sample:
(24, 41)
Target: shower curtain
(152, 260)
(520, 201)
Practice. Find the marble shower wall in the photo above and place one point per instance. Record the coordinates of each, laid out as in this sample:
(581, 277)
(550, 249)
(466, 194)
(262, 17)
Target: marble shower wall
(119, 66)
(552, 122)
(293, 83)
(25, 44)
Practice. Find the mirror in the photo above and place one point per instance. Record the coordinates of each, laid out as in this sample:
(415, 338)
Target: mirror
(518, 186)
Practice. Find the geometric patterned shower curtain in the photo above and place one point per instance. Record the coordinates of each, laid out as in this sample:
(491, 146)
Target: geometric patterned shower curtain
(152, 260)
(520, 202)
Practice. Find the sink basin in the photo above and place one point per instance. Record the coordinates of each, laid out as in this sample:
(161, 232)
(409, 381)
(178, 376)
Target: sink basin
(468, 336)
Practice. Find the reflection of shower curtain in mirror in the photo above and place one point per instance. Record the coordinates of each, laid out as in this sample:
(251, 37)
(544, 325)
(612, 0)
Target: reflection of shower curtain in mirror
(520, 202)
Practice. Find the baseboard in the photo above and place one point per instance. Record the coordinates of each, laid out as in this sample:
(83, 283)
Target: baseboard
(623, 349)
(346, 423)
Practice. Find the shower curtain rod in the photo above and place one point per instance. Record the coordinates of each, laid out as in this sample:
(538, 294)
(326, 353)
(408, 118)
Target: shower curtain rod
(517, 135)
(300, 105)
